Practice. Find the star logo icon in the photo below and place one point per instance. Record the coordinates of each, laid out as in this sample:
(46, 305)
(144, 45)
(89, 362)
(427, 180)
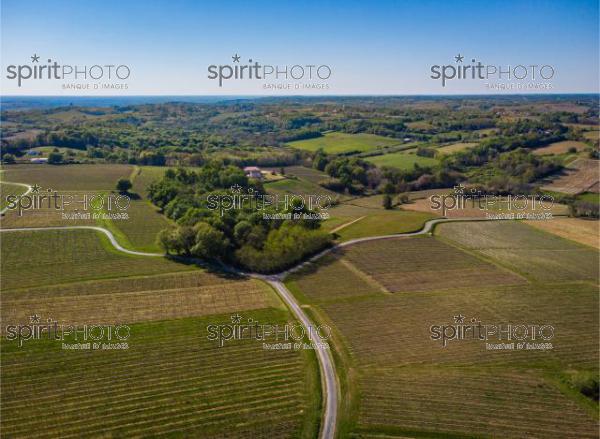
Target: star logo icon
(460, 189)
(236, 318)
(35, 58)
(459, 318)
(236, 58)
(34, 319)
(236, 189)
(35, 188)
(459, 58)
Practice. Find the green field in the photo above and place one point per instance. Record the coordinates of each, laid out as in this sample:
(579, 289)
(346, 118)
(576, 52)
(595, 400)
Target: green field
(68, 177)
(535, 254)
(381, 297)
(139, 231)
(7, 189)
(401, 160)
(32, 259)
(455, 147)
(172, 381)
(336, 143)
(372, 219)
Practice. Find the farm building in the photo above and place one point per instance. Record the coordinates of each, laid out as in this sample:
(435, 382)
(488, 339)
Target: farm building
(253, 172)
(39, 160)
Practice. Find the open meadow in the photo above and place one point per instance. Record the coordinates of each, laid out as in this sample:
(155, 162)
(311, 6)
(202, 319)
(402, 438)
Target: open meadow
(336, 143)
(401, 160)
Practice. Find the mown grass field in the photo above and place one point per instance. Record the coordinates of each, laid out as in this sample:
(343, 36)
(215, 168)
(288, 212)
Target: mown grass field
(372, 219)
(139, 231)
(401, 160)
(336, 143)
(31, 259)
(560, 147)
(7, 189)
(172, 381)
(455, 147)
(397, 381)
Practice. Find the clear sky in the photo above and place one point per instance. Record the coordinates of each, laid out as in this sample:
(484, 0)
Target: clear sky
(372, 47)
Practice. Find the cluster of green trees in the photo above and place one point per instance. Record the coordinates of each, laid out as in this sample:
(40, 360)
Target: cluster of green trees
(242, 235)
(348, 174)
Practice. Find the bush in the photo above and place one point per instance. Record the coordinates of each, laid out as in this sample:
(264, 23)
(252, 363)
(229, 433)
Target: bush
(8, 158)
(123, 185)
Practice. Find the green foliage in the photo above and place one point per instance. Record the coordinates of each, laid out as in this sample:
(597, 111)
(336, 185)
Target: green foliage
(387, 202)
(123, 185)
(55, 158)
(8, 158)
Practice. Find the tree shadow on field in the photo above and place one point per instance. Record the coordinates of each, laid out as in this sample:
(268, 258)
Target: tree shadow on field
(218, 270)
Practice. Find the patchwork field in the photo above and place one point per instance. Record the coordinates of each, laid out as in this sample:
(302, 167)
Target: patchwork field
(560, 147)
(31, 259)
(401, 160)
(336, 142)
(576, 229)
(455, 147)
(580, 176)
(402, 383)
(478, 209)
(366, 217)
(538, 255)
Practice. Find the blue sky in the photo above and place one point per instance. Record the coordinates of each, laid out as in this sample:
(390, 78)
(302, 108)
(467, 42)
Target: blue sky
(377, 47)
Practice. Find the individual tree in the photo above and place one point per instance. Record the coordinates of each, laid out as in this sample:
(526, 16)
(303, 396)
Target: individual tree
(54, 158)
(123, 185)
(387, 202)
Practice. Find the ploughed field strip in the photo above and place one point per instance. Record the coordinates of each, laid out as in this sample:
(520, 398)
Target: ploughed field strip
(171, 381)
(38, 258)
(541, 256)
(407, 384)
(161, 297)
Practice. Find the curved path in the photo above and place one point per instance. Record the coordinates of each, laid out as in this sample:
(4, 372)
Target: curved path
(16, 184)
(330, 383)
